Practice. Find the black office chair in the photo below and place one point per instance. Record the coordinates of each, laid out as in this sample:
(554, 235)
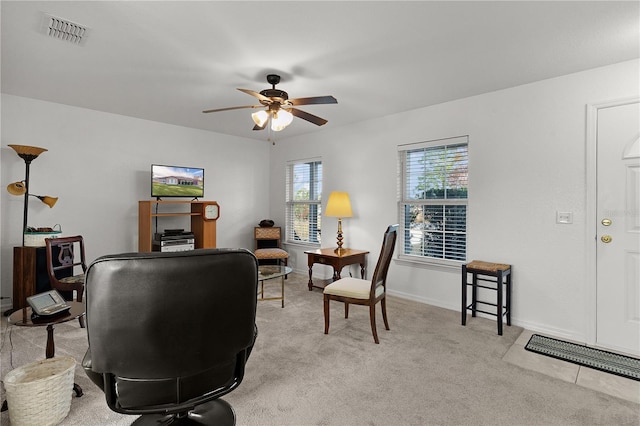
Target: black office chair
(170, 333)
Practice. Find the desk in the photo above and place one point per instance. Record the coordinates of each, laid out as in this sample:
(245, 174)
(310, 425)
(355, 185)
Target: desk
(22, 317)
(328, 256)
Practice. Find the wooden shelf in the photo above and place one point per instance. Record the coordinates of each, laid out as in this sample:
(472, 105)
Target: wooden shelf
(174, 214)
(204, 231)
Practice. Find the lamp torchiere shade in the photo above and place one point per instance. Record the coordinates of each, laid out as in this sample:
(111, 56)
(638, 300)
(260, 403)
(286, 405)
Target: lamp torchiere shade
(17, 188)
(339, 206)
(50, 201)
(26, 152)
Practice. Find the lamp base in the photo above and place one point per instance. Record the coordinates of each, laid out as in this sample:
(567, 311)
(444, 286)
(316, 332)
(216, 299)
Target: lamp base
(339, 249)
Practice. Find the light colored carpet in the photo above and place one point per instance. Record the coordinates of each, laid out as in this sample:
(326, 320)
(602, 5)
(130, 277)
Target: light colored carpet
(428, 370)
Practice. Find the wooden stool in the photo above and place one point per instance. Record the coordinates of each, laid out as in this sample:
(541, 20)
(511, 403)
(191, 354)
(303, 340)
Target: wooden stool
(502, 274)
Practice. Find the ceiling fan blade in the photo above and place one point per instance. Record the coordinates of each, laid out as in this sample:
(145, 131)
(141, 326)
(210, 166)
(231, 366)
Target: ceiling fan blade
(230, 108)
(260, 96)
(309, 117)
(314, 100)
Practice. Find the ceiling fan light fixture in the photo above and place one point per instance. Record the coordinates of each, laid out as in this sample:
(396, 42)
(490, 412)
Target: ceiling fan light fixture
(260, 117)
(280, 120)
(279, 109)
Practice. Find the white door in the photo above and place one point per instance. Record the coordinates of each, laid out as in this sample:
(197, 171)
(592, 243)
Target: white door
(618, 228)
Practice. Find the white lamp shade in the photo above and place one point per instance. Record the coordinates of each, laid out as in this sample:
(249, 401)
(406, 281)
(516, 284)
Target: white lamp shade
(260, 117)
(281, 119)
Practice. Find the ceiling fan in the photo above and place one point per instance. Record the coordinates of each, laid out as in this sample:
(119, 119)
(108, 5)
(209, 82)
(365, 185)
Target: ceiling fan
(279, 108)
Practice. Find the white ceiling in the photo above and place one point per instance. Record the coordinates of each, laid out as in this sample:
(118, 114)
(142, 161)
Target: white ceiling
(168, 61)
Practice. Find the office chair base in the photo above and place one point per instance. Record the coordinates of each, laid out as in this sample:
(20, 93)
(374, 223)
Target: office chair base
(216, 412)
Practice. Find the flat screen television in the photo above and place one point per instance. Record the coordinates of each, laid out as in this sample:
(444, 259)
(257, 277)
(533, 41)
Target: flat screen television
(176, 181)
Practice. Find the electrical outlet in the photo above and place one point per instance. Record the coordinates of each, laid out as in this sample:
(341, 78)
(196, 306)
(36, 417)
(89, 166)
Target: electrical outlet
(564, 218)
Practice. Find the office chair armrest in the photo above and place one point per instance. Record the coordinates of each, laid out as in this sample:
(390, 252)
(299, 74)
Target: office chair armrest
(250, 348)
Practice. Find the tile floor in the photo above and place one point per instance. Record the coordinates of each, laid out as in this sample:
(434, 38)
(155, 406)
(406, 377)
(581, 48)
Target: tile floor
(582, 376)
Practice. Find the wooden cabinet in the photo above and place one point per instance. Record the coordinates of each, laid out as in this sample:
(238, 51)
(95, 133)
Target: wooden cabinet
(203, 230)
(30, 274)
(24, 275)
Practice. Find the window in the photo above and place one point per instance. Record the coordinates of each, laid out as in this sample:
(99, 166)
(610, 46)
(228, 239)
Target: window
(433, 199)
(304, 197)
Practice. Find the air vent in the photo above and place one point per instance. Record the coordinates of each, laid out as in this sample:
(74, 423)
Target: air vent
(65, 30)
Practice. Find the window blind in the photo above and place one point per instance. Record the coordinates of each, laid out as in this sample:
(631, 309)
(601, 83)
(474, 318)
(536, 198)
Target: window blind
(433, 200)
(304, 201)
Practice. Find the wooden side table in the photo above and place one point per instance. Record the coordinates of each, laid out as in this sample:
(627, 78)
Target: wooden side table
(328, 256)
(22, 317)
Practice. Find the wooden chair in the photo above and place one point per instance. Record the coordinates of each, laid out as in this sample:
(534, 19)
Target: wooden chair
(363, 292)
(269, 245)
(63, 267)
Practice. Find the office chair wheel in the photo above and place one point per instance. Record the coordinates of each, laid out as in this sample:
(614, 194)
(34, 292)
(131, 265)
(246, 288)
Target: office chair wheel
(216, 412)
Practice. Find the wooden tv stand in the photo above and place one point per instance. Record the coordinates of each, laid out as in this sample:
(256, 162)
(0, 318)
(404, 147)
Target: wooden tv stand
(203, 230)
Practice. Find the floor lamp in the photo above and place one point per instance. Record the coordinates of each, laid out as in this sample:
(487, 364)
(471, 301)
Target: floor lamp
(28, 154)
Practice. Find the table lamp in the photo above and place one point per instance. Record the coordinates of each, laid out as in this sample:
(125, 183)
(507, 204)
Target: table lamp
(339, 206)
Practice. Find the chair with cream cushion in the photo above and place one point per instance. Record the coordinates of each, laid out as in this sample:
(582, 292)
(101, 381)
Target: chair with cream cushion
(363, 292)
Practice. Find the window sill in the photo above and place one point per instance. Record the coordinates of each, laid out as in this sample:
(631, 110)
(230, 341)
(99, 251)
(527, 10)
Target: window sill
(445, 265)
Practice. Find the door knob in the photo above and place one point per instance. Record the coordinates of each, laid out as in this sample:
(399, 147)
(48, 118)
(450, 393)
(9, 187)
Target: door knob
(606, 222)
(606, 238)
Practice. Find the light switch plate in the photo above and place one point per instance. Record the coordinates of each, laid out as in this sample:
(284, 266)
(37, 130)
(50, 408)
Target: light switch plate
(564, 217)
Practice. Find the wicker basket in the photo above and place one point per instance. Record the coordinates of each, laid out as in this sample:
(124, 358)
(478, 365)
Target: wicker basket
(40, 393)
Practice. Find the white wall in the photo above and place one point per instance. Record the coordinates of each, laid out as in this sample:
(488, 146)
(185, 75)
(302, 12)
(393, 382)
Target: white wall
(527, 161)
(99, 165)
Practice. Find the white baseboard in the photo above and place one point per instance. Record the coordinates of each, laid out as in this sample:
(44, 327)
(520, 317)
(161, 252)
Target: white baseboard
(426, 301)
(527, 325)
(6, 305)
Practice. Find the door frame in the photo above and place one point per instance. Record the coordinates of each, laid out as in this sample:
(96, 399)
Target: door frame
(591, 219)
